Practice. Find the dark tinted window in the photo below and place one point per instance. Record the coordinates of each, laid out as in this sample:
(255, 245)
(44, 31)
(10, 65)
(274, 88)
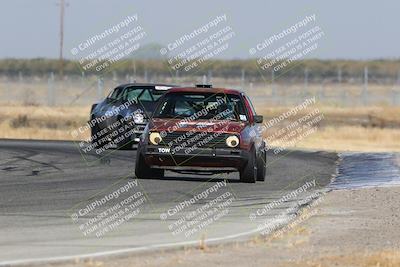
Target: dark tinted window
(201, 106)
(135, 93)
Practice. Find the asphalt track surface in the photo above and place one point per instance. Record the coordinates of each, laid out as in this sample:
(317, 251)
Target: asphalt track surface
(43, 183)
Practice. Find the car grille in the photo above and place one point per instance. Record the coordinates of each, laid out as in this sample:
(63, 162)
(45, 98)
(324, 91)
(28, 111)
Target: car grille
(200, 139)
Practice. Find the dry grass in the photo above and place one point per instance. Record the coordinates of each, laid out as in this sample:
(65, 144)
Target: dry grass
(346, 129)
(345, 115)
(386, 258)
(341, 129)
(75, 114)
(353, 138)
(40, 122)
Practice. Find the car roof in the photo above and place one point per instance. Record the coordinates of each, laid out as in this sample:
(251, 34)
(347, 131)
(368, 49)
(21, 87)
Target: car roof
(204, 90)
(144, 85)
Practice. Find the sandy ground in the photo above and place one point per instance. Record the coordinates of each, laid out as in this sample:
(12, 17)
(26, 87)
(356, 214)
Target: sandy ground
(348, 228)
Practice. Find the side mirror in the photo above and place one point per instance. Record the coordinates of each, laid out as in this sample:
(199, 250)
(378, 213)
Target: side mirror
(258, 118)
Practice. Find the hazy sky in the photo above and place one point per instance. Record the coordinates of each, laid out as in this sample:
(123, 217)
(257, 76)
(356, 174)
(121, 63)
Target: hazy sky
(352, 29)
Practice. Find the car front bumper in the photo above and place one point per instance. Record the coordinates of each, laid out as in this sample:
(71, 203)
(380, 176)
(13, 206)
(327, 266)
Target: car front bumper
(207, 159)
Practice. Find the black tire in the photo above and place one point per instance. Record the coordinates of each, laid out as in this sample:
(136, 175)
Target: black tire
(261, 165)
(248, 174)
(144, 171)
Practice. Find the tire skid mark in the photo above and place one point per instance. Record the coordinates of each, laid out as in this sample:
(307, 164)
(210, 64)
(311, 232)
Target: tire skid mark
(17, 163)
(362, 170)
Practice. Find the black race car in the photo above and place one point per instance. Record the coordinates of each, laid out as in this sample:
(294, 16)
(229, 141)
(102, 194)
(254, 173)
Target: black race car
(120, 119)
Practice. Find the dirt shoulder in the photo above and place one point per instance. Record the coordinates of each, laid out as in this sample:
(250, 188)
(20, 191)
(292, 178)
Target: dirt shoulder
(348, 228)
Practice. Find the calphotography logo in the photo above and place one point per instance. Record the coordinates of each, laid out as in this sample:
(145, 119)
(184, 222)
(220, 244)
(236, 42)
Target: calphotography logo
(105, 213)
(283, 49)
(197, 214)
(193, 49)
(291, 127)
(114, 128)
(102, 50)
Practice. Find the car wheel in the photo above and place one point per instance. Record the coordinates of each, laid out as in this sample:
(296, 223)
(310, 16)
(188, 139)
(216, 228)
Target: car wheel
(144, 171)
(248, 174)
(261, 166)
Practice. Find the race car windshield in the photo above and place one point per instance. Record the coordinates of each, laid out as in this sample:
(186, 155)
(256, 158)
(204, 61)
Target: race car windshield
(201, 106)
(136, 94)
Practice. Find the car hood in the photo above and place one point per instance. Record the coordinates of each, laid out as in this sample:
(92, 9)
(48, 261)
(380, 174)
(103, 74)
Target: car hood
(172, 125)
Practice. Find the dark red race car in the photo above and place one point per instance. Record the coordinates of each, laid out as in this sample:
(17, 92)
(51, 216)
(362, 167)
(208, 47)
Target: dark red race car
(203, 130)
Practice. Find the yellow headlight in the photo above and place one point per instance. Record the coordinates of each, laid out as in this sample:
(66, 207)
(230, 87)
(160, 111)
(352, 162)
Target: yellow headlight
(155, 138)
(232, 141)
